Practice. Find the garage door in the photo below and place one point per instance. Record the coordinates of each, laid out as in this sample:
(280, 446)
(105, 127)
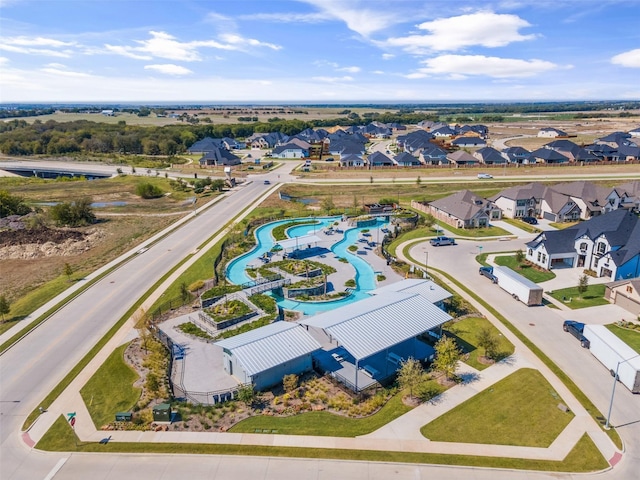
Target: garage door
(628, 304)
(549, 216)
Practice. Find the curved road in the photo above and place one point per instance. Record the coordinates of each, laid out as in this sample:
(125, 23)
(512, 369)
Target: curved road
(30, 369)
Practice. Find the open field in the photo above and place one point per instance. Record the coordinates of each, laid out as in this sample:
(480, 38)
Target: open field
(521, 409)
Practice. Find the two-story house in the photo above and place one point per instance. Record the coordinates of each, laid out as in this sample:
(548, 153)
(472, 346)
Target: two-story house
(521, 200)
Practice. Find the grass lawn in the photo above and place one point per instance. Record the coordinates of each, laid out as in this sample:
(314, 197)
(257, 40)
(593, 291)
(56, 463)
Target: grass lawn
(563, 225)
(475, 232)
(110, 389)
(584, 457)
(521, 409)
(466, 331)
(524, 269)
(325, 423)
(593, 297)
(521, 225)
(630, 337)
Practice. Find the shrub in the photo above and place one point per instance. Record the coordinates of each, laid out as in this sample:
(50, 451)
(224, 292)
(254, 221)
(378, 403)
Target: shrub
(290, 382)
(350, 283)
(197, 285)
(73, 214)
(148, 190)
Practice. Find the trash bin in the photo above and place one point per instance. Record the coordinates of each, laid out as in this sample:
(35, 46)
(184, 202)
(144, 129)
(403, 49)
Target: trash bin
(124, 416)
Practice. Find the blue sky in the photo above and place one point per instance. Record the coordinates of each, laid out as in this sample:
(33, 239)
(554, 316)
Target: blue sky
(318, 50)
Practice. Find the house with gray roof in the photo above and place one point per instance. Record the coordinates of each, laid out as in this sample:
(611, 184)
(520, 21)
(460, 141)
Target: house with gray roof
(433, 155)
(557, 207)
(635, 132)
(516, 155)
(263, 356)
(550, 132)
(207, 144)
(547, 155)
(219, 157)
(404, 159)
(462, 209)
(290, 150)
(608, 244)
(521, 200)
(469, 142)
(624, 293)
(462, 158)
(489, 156)
(591, 198)
(379, 159)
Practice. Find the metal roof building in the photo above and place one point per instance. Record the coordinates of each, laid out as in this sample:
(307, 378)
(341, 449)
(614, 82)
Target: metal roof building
(375, 324)
(264, 355)
(427, 288)
(298, 241)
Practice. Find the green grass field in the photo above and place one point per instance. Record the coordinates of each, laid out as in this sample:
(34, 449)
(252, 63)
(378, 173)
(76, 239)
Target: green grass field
(521, 409)
(593, 297)
(110, 389)
(524, 269)
(466, 332)
(630, 337)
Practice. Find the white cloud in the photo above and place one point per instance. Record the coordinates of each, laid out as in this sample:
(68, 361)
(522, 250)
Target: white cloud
(346, 78)
(169, 69)
(37, 46)
(315, 17)
(62, 70)
(486, 29)
(378, 72)
(465, 65)
(164, 45)
(629, 59)
(387, 56)
(353, 69)
(4, 60)
(357, 17)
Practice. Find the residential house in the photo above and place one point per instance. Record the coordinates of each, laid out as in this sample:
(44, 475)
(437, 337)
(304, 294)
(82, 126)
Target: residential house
(267, 140)
(352, 160)
(546, 155)
(557, 207)
(379, 159)
(218, 157)
(479, 130)
(608, 244)
(550, 132)
(635, 132)
(461, 158)
(462, 209)
(489, 156)
(404, 159)
(521, 200)
(469, 142)
(232, 144)
(443, 132)
(516, 155)
(624, 293)
(628, 152)
(207, 144)
(591, 198)
(631, 200)
(433, 155)
(415, 142)
(614, 140)
(290, 150)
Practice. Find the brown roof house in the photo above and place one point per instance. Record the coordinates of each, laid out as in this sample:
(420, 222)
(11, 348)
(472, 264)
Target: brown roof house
(625, 293)
(462, 210)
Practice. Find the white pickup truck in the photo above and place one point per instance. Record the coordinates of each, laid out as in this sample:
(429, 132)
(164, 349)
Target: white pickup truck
(439, 241)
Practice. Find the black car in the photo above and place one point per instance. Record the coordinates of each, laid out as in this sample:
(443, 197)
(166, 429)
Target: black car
(576, 329)
(530, 220)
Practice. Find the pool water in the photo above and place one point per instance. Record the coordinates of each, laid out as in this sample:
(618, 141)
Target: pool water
(365, 275)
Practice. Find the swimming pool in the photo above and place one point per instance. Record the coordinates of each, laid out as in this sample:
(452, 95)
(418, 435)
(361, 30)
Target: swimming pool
(365, 275)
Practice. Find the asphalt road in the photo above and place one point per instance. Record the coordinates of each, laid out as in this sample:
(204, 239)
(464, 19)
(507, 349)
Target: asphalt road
(33, 367)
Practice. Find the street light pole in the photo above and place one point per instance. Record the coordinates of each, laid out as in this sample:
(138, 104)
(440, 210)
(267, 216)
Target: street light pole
(613, 391)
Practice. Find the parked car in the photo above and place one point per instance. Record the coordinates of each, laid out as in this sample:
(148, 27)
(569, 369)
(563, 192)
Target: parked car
(576, 329)
(530, 220)
(484, 175)
(267, 182)
(438, 241)
(488, 272)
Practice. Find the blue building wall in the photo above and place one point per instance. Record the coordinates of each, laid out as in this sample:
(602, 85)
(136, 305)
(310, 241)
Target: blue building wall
(631, 269)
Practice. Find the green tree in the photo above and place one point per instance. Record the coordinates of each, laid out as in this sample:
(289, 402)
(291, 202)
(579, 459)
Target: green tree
(247, 395)
(12, 205)
(68, 271)
(217, 184)
(583, 284)
(73, 214)
(327, 204)
(5, 306)
(447, 356)
(142, 323)
(153, 384)
(520, 256)
(489, 342)
(410, 375)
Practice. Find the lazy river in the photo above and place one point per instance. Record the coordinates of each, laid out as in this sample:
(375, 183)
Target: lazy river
(365, 275)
